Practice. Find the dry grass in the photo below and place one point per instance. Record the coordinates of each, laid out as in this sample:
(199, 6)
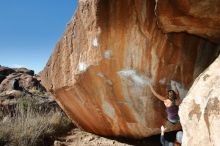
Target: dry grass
(31, 127)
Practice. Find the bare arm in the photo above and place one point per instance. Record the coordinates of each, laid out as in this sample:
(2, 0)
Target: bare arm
(156, 94)
(179, 100)
(176, 90)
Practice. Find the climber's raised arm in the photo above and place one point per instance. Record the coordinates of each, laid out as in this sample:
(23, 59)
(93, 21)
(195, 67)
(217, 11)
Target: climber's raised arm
(176, 90)
(179, 99)
(156, 94)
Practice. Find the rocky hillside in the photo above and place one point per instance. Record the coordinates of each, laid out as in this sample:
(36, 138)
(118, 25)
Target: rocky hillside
(20, 83)
(110, 51)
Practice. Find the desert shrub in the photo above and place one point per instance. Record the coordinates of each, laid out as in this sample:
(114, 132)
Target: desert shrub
(31, 126)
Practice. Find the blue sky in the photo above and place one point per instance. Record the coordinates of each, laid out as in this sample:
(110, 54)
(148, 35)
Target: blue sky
(30, 29)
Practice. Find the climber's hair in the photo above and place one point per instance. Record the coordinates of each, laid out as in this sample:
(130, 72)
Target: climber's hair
(173, 97)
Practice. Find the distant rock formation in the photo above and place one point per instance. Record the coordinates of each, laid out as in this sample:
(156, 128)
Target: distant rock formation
(4, 72)
(20, 83)
(19, 79)
(100, 70)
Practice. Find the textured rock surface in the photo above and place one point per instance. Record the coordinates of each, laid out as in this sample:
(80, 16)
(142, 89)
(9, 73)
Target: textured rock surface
(110, 51)
(4, 71)
(25, 81)
(25, 70)
(27, 88)
(193, 16)
(200, 110)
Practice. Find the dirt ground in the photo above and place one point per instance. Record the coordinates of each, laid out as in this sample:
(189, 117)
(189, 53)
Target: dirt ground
(77, 137)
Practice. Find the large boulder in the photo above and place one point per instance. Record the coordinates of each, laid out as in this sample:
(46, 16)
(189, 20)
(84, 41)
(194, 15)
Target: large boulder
(200, 17)
(200, 110)
(100, 70)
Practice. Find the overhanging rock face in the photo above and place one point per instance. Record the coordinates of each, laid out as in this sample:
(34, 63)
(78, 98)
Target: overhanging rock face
(200, 111)
(110, 51)
(200, 17)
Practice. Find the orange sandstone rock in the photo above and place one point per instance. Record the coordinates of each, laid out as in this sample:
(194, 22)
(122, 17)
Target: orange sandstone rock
(199, 17)
(100, 70)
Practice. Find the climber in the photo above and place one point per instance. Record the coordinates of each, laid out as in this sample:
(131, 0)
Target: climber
(177, 142)
(171, 102)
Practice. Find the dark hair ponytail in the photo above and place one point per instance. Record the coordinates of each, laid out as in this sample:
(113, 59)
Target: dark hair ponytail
(173, 98)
